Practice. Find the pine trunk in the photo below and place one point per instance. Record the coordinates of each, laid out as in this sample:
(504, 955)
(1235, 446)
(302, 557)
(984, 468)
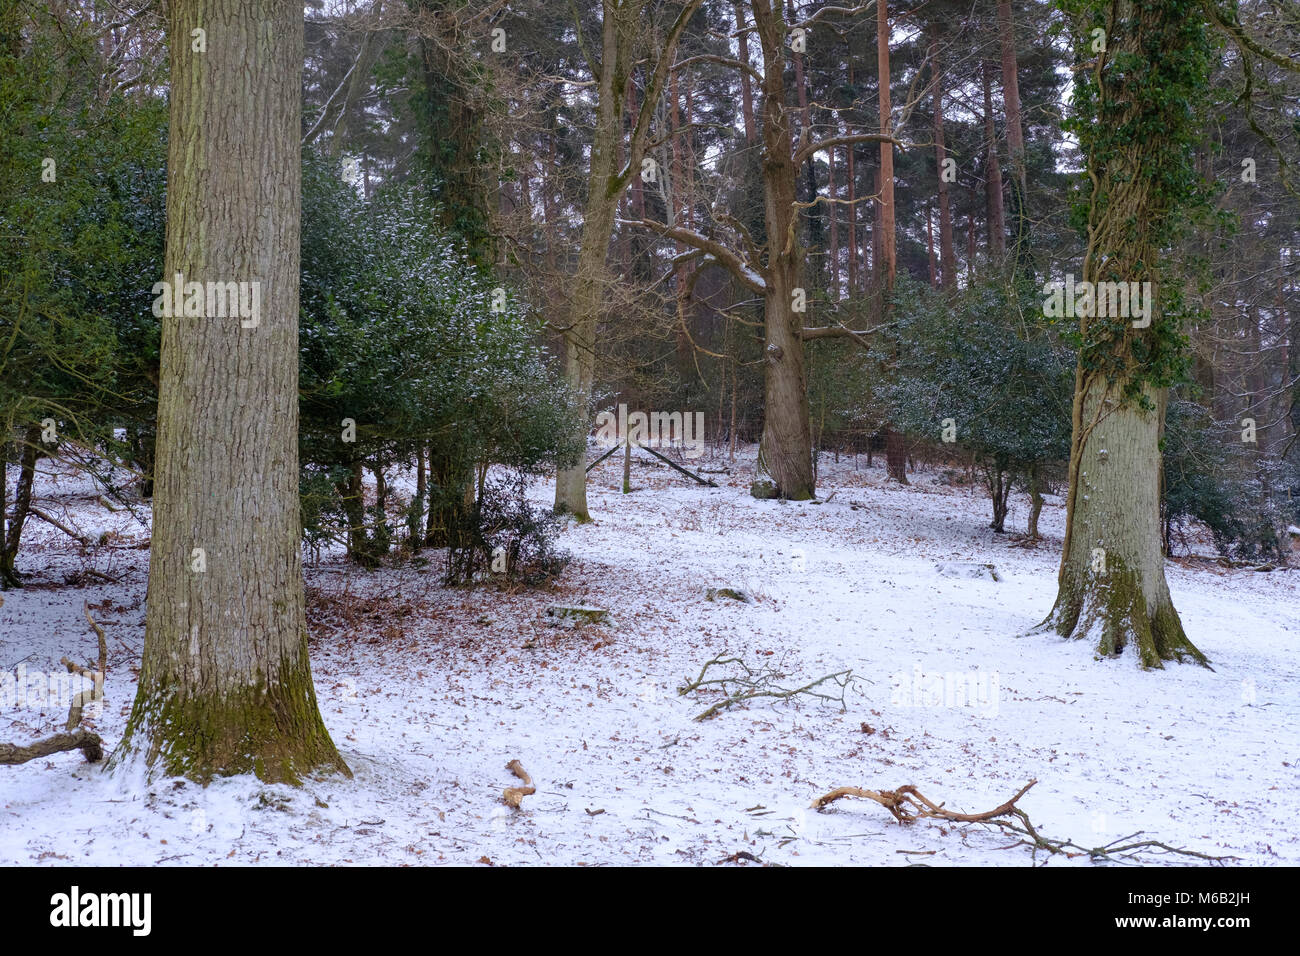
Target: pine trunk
(1015, 127)
(887, 244)
(993, 174)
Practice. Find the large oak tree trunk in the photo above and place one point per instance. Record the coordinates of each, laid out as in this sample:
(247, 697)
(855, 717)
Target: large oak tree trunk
(1113, 591)
(1112, 582)
(225, 685)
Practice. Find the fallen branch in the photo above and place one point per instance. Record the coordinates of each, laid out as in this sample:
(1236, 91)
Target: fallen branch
(1110, 851)
(88, 743)
(74, 535)
(83, 740)
(515, 795)
(908, 804)
(755, 684)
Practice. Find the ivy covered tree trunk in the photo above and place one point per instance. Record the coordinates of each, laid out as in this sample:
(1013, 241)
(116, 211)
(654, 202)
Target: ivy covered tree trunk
(1135, 115)
(225, 684)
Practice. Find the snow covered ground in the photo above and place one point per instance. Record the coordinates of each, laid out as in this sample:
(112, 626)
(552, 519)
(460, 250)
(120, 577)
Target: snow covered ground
(429, 692)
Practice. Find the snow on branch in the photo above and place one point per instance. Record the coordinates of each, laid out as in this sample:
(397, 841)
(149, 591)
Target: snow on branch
(725, 257)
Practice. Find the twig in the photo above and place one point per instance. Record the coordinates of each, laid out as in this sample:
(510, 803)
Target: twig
(755, 684)
(1110, 851)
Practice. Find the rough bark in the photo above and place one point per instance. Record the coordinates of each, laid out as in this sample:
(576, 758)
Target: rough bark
(1113, 591)
(225, 684)
(1112, 587)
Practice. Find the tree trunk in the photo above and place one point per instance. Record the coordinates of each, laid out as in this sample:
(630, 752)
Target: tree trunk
(929, 242)
(417, 506)
(896, 456)
(225, 684)
(746, 90)
(1015, 127)
(887, 244)
(785, 451)
(947, 259)
(993, 174)
(832, 211)
(605, 184)
(1112, 579)
(22, 506)
(853, 209)
(589, 283)
(999, 483)
(352, 495)
(1035, 502)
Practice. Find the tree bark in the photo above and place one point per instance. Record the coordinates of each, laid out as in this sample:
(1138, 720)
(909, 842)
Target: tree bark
(993, 173)
(605, 184)
(947, 258)
(853, 208)
(1112, 587)
(1015, 126)
(785, 451)
(746, 89)
(1035, 502)
(225, 684)
(887, 244)
(22, 506)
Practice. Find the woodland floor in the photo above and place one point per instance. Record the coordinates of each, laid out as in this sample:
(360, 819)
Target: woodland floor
(430, 691)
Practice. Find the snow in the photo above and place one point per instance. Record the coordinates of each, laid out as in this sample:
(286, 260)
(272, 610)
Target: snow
(429, 692)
